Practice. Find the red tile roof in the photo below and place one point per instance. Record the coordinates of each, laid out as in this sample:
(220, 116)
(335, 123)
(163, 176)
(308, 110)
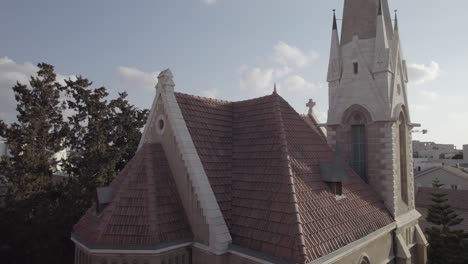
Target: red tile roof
(262, 160)
(145, 210)
(210, 125)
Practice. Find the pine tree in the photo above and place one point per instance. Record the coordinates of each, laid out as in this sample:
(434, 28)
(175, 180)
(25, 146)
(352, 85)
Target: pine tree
(29, 217)
(446, 243)
(36, 136)
(101, 136)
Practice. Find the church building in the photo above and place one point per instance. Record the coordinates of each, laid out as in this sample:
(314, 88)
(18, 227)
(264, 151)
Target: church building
(253, 181)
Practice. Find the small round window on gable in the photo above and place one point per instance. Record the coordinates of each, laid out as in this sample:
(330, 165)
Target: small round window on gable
(160, 125)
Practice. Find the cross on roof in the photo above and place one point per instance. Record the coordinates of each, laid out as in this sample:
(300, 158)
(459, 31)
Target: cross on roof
(311, 105)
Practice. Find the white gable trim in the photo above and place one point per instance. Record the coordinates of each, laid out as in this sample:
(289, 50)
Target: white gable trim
(130, 251)
(202, 198)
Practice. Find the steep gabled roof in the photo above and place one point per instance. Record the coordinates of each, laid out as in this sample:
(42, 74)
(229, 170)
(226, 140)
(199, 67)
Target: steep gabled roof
(145, 211)
(278, 203)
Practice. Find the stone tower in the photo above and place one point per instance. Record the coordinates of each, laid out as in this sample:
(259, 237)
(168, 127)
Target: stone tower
(369, 116)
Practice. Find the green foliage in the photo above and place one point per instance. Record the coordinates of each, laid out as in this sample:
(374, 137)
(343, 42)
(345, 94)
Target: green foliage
(446, 243)
(101, 136)
(36, 136)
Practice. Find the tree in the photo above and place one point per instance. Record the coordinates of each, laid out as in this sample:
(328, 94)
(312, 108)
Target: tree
(103, 135)
(36, 136)
(100, 135)
(446, 243)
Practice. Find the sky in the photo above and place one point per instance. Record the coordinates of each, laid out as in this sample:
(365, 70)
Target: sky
(231, 50)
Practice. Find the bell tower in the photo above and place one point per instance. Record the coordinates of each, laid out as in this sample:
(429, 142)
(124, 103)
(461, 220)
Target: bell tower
(368, 113)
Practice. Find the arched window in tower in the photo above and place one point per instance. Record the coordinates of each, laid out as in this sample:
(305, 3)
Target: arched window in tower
(356, 118)
(359, 147)
(403, 157)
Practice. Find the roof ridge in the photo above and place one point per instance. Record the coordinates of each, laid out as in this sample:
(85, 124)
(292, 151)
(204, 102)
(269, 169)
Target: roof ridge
(214, 100)
(253, 99)
(286, 159)
(220, 100)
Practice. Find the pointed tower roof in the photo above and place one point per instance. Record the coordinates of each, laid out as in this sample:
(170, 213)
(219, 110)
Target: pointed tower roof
(396, 21)
(360, 18)
(335, 26)
(334, 66)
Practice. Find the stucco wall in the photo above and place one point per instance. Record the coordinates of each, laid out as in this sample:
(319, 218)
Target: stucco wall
(432, 150)
(465, 153)
(445, 177)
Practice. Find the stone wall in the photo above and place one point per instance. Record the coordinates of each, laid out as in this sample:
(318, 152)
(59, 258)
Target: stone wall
(179, 256)
(383, 161)
(379, 251)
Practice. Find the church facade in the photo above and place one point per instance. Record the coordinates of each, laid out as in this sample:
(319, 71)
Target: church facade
(255, 182)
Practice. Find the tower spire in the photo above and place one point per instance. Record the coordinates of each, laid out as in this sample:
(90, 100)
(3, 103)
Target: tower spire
(396, 20)
(335, 26)
(360, 19)
(334, 67)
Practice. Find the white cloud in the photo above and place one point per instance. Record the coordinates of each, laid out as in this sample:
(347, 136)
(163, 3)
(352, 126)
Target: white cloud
(132, 78)
(286, 60)
(459, 116)
(429, 95)
(291, 56)
(210, 93)
(258, 79)
(422, 73)
(418, 107)
(209, 2)
(296, 83)
(10, 73)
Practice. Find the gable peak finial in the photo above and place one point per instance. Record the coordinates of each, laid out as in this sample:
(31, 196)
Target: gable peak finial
(165, 78)
(274, 89)
(335, 26)
(311, 104)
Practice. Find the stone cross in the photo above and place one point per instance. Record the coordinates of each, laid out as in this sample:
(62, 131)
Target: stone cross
(311, 105)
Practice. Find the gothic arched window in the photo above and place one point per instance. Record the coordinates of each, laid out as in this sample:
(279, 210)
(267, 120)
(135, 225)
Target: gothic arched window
(359, 147)
(357, 118)
(365, 260)
(402, 133)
